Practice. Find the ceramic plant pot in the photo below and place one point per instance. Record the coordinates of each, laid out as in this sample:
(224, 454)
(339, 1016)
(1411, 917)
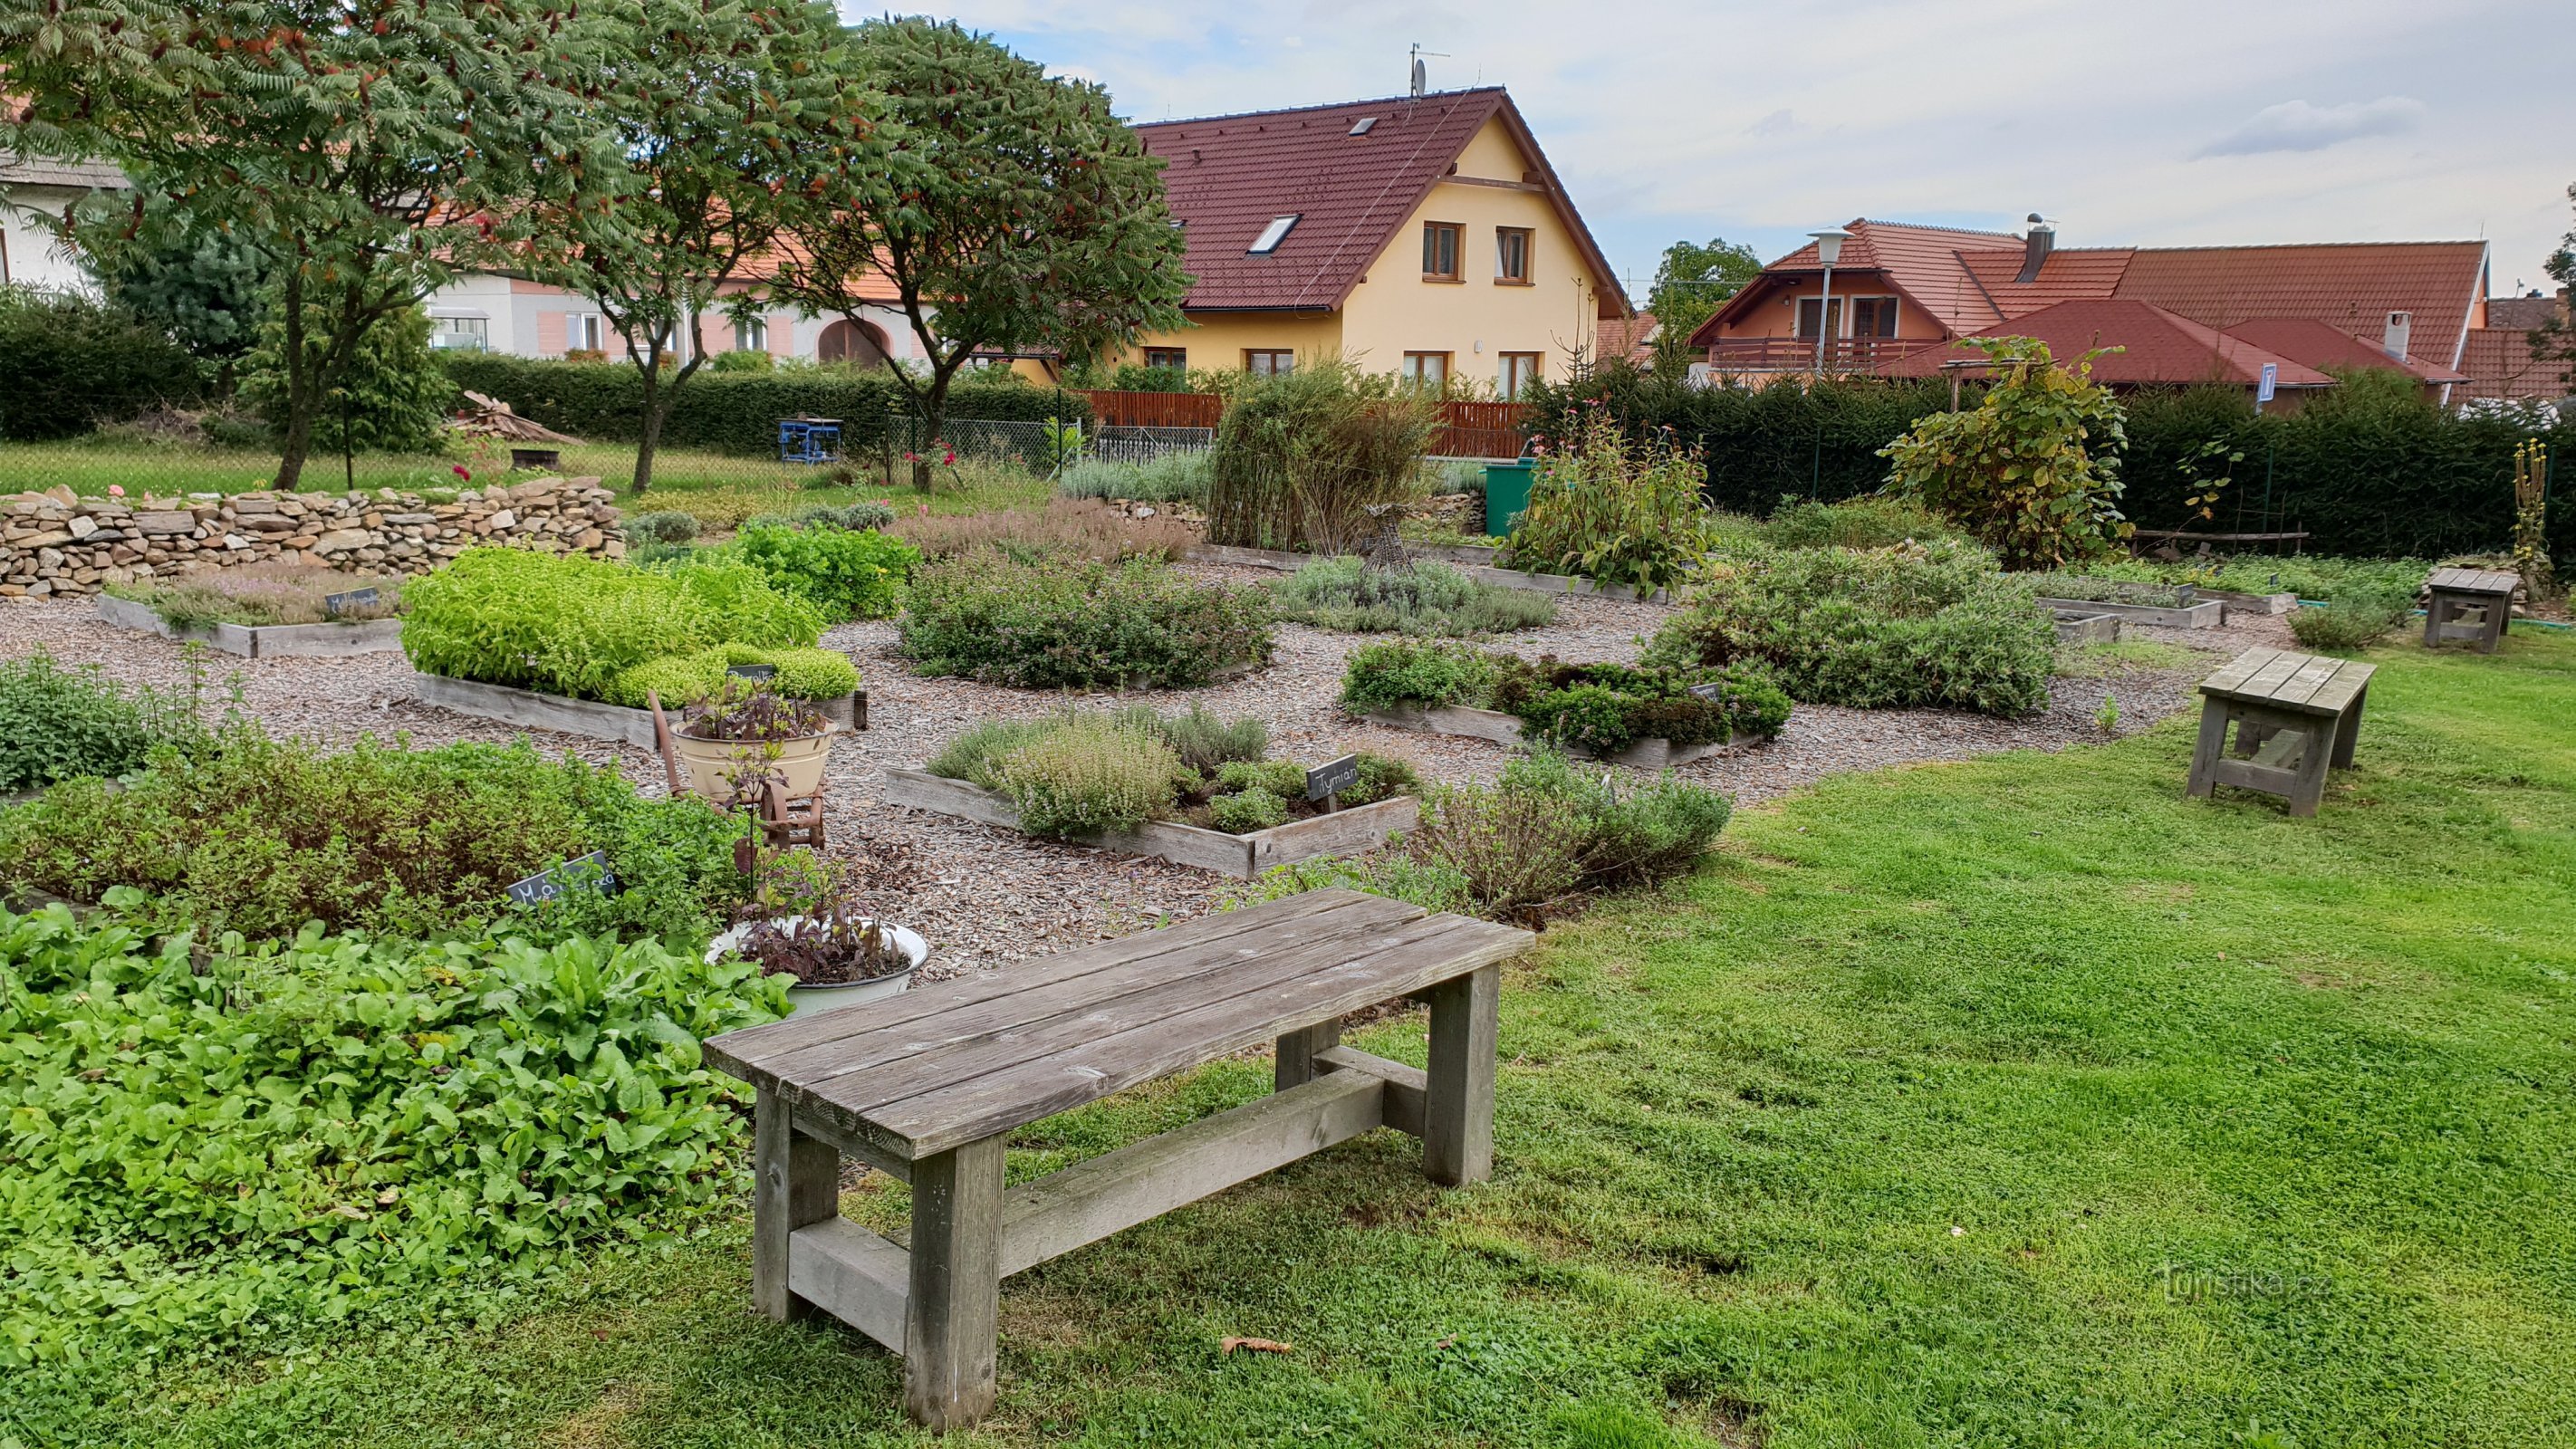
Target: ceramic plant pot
(803, 1000)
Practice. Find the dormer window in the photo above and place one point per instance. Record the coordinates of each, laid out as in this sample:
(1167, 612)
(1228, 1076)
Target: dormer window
(1272, 235)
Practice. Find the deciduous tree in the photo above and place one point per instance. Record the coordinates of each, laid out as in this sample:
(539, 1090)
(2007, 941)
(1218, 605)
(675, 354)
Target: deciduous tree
(1691, 283)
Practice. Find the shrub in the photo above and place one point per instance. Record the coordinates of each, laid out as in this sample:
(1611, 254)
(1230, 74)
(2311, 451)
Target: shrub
(259, 836)
(1283, 778)
(70, 363)
(1617, 512)
(569, 625)
(1067, 623)
(1874, 520)
(391, 395)
(1204, 742)
(61, 724)
(1080, 528)
(2033, 470)
(1426, 598)
(850, 575)
(687, 678)
(2348, 624)
(975, 756)
(204, 1139)
(1913, 625)
(1170, 478)
(258, 595)
(1396, 874)
(1382, 777)
(722, 510)
(668, 525)
(1301, 456)
(1086, 775)
(853, 516)
(1252, 808)
(1516, 851)
(1423, 673)
(742, 360)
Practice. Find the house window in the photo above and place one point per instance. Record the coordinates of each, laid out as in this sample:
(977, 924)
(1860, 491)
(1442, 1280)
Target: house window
(1813, 309)
(1269, 361)
(1272, 235)
(1175, 358)
(1427, 370)
(1519, 371)
(582, 332)
(1512, 255)
(751, 334)
(460, 334)
(1440, 251)
(1873, 317)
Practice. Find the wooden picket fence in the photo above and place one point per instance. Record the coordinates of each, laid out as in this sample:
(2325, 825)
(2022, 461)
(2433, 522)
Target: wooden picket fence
(1466, 429)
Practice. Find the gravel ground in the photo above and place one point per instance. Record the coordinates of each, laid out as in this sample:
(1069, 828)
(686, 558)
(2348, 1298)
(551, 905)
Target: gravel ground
(986, 896)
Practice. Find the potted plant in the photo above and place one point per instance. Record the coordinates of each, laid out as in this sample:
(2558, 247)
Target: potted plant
(746, 736)
(805, 919)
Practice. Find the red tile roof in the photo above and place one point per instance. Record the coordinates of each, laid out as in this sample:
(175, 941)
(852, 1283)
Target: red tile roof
(2064, 276)
(2321, 346)
(2499, 364)
(2159, 347)
(2347, 285)
(1920, 262)
(1629, 337)
(1227, 177)
(2524, 313)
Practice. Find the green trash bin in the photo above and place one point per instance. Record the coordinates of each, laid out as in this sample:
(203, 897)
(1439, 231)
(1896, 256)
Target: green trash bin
(1507, 487)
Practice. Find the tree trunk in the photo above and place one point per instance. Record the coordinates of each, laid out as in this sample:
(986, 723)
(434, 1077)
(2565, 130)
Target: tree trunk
(655, 405)
(301, 395)
(934, 419)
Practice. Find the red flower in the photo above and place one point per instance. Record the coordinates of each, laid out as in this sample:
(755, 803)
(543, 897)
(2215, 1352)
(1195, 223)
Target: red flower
(950, 458)
(460, 471)
(912, 457)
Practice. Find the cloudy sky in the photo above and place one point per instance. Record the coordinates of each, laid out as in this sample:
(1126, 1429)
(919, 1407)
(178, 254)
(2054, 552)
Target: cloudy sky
(2175, 122)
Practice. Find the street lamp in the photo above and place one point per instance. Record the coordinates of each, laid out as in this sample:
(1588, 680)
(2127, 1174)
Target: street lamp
(1829, 250)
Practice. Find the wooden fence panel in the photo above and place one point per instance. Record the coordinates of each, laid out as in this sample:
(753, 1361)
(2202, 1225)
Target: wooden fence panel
(1155, 409)
(1479, 430)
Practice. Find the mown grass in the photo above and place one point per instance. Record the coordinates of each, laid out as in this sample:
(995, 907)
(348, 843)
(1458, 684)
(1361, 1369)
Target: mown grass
(2018, 1102)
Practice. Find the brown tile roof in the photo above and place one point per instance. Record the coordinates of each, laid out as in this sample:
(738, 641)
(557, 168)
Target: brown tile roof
(1226, 177)
(2065, 276)
(1629, 337)
(2321, 346)
(2159, 347)
(2524, 313)
(1921, 262)
(2499, 364)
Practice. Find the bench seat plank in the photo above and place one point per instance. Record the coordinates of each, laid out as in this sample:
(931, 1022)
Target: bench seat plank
(2237, 670)
(2474, 581)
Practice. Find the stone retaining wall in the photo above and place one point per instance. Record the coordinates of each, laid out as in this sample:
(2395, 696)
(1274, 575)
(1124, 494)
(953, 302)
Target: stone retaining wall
(55, 543)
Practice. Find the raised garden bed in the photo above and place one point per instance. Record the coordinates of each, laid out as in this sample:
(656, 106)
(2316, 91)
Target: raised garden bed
(264, 641)
(1344, 832)
(2202, 615)
(1274, 558)
(2268, 604)
(1506, 729)
(2084, 625)
(532, 710)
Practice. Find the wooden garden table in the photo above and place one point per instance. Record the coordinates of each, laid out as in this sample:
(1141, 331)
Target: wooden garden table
(2471, 604)
(2295, 715)
(927, 1086)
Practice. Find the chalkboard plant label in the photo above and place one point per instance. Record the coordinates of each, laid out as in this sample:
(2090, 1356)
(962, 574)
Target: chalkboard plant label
(1332, 777)
(752, 671)
(334, 605)
(590, 870)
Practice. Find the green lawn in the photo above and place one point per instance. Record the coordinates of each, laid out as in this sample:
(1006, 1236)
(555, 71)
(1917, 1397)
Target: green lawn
(2020, 1102)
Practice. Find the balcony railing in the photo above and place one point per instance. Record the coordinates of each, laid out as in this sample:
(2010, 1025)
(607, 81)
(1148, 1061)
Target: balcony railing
(1798, 354)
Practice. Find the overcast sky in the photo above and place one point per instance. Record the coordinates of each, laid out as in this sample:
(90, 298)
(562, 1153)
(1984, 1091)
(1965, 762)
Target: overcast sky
(2172, 122)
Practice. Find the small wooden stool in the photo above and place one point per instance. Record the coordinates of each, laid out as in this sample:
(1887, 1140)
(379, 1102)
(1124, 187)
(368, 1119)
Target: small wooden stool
(2295, 716)
(2471, 604)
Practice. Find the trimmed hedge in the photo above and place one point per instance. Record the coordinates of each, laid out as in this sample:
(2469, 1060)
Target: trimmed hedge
(2366, 474)
(737, 412)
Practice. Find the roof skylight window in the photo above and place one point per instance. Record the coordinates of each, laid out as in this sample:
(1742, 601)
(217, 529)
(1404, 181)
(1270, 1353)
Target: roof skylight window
(1272, 235)
(1363, 125)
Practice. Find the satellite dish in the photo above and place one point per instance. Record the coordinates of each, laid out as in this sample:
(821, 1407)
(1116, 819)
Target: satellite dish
(1421, 79)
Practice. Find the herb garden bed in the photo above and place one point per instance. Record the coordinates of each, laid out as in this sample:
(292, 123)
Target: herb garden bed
(533, 710)
(2204, 615)
(269, 641)
(1276, 558)
(2269, 604)
(1343, 832)
(2085, 624)
(1506, 729)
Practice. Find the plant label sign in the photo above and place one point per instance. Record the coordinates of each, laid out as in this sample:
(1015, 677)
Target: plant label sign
(590, 870)
(1332, 777)
(752, 671)
(1711, 691)
(336, 604)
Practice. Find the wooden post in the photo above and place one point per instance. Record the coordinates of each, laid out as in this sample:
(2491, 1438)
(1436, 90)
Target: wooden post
(2213, 740)
(2348, 728)
(2309, 790)
(1294, 1063)
(1458, 1107)
(952, 1319)
(798, 1182)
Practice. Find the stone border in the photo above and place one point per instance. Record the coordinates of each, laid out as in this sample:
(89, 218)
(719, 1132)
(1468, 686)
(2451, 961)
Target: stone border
(2076, 626)
(1505, 729)
(264, 641)
(1244, 857)
(536, 711)
(2192, 616)
(1282, 559)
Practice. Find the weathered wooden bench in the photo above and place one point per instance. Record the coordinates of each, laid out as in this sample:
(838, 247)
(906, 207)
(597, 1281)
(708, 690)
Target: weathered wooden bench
(2295, 715)
(927, 1086)
(2471, 604)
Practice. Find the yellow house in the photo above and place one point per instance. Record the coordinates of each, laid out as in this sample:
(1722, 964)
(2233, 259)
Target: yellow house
(1426, 236)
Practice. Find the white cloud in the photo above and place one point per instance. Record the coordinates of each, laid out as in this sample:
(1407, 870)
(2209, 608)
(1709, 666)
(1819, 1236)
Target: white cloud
(2299, 126)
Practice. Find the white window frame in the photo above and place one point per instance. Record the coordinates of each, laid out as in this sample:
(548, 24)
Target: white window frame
(1272, 235)
(585, 332)
(751, 334)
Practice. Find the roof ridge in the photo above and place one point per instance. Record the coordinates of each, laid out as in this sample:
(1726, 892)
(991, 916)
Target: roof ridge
(2289, 246)
(1326, 106)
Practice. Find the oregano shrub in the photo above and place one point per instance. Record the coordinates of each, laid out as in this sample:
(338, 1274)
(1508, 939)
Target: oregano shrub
(2033, 470)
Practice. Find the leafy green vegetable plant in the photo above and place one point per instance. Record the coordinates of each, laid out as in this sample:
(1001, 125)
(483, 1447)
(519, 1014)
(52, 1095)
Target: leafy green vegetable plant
(848, 574)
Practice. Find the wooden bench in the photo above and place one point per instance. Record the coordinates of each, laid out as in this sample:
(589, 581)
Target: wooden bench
(2295, 715)
(927, 1086)
(2471, 604)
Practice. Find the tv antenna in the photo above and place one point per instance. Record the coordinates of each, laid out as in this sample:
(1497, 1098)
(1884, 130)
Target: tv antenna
(1421, 77)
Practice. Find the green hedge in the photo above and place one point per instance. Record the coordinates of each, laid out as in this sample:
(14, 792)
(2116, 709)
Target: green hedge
(2366, 474)
(68, 364)
(736, 412)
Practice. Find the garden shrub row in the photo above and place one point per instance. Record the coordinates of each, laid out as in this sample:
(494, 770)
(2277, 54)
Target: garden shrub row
(738, 412)
(1913, 625)
(1078, 774)
(70, 363)
(1050, 619)
(1599, 707)
(2367, 470)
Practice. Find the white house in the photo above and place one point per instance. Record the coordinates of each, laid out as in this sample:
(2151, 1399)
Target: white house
(34, 195)
(496, 312)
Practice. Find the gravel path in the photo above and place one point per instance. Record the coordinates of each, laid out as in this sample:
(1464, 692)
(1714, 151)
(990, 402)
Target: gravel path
(987, 896)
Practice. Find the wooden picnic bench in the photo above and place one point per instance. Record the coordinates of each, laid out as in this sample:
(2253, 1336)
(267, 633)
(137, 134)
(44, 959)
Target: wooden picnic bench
(927, 1087)
(2471, 604)
(2295, 715)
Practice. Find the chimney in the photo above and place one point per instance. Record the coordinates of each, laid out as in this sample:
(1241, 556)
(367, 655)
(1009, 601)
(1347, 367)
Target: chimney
(2035, 248)
(2393, 340)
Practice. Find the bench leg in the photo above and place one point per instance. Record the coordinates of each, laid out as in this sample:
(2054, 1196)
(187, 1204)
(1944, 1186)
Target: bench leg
(2213, 740)
(2308, 790)
(2433, 620)
(952, 1319)
(798, 1182)
(2348, 728)
(1294, 1065)
(2499, 614)
(1458, 1105)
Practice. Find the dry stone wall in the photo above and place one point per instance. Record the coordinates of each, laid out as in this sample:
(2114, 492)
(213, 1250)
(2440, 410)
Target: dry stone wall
(55, 543)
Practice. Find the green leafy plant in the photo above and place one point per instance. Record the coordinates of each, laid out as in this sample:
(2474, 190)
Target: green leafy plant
(1400, 672)
(1382, 777)
(975, 756)
(1597, 707)
(669, 525)
(1874, 520)
(1423, 598)
(1078, 624)
(679, 679)
(864, 514)
(1204, 742)
(61, 724)
(1254, 807)
(1302, 456)
(2347, 625)
(2033, 470)
(1085, 775)
(1170, 478)
(848, 574)
(1613, 510)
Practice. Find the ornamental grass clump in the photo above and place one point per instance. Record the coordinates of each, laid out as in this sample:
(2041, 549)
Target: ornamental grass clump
(1420, 598)
(1059, 623)
(1302, 456)
(1915, 625)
